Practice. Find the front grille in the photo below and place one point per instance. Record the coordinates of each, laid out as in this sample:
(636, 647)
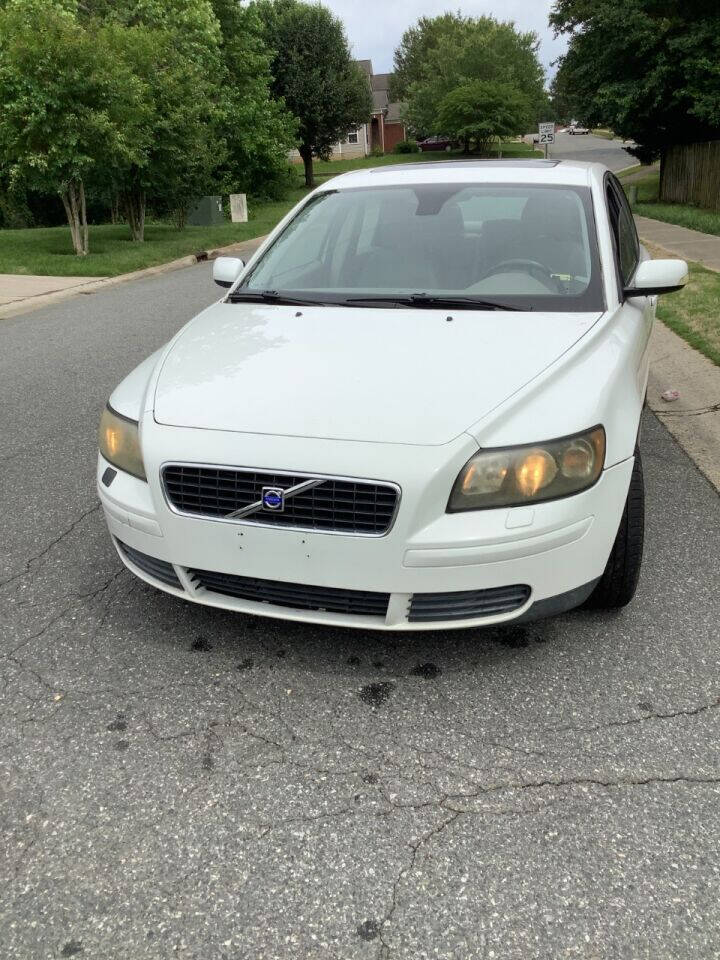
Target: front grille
(341, 506)
(159, 569)
(466, 604)
(297, 595)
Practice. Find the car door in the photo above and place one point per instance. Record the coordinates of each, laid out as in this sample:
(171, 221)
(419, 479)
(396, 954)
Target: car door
(628, 254)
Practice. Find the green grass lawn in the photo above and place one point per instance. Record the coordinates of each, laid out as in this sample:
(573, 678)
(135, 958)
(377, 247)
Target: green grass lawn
(694, 313)
(47, 251)
(511, 149)
(604, 133)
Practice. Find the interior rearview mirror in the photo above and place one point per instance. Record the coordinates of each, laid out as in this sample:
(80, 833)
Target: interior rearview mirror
(658, 276)
(226, 270)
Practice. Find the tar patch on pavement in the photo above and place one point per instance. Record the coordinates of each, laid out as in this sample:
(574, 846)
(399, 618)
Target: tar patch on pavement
(200, 645)
(71, 948)
(247, 664)
(368, 930)
(371, 778)
(515, 637)
(122, 745)
(428, 671)
(645, 707)
(375, 694)
(353, 661)
(118, 724)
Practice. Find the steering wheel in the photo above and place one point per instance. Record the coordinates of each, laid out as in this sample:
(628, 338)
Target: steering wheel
(520, 265)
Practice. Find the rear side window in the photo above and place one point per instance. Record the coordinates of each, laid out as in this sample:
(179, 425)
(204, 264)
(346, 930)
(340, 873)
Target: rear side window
(626, 238)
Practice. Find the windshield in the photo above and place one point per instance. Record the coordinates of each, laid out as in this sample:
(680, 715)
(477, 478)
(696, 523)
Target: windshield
(520, 246)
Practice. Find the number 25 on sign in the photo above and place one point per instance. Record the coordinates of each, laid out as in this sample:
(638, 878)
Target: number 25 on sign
(546, 134)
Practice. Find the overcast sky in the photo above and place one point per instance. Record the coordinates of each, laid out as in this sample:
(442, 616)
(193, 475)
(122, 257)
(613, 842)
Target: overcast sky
(374, 27)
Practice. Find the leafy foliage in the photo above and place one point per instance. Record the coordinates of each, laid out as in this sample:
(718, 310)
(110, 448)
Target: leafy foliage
(407, 146)
(314, 74)
(450, 66)
(648, 69)
(483, 110)
(67, 104)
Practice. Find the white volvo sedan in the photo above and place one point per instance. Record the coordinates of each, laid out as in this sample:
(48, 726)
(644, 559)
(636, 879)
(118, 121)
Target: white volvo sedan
(417, 406)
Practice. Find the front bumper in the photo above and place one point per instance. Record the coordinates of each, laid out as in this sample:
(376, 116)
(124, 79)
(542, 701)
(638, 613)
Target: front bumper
(558, 550)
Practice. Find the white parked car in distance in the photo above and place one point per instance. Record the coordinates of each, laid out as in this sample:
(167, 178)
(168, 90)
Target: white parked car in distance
(577, 129)
(417, 406)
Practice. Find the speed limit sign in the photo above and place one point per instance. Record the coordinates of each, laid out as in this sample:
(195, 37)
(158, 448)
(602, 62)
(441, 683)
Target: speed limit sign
(547, 132)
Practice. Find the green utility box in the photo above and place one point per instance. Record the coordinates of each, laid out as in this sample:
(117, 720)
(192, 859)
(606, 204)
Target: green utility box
(207, 212)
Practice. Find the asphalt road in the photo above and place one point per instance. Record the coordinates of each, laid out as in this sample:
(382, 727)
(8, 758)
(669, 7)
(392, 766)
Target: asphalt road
(591, 149)
(177, 782)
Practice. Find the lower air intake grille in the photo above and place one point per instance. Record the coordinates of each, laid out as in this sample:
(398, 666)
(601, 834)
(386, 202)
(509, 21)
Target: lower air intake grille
(159, 569)
(297, 595)
(467, 604)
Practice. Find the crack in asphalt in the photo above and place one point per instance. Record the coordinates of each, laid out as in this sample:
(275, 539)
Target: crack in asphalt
(31, 561)
(648, 716)
(384, 951)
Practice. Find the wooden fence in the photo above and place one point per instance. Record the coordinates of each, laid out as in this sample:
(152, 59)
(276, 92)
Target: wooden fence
(690, 173)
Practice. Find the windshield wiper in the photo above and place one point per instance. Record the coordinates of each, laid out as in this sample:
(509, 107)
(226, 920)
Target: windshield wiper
(273, 296)
(428, 300)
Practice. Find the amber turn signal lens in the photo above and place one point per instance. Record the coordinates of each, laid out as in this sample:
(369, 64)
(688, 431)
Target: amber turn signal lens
(119, 443)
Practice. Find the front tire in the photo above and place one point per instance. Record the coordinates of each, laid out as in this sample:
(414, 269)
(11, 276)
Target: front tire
(617, 586)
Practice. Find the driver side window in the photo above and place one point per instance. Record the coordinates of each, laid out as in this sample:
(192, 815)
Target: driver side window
(626, 239)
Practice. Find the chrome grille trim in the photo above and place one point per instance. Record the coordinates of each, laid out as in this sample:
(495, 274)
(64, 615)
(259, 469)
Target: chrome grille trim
(384, 504)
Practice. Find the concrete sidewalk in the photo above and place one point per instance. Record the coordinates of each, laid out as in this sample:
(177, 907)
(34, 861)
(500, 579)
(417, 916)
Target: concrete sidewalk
(693, 419)
(16, 287)
(704, 248)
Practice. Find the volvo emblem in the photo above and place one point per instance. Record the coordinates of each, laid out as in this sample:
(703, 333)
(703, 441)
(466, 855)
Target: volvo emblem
(273, 498)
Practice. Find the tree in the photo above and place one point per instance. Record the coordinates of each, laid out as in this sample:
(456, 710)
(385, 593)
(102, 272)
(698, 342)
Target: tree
(458, 52)
(66, 105)
(483, 110)
(172, 48)
(314, 74)
(258, 129)
(411, 57)
(646, 68)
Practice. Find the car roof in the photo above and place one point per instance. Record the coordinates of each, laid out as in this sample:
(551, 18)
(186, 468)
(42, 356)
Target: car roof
(560, 172)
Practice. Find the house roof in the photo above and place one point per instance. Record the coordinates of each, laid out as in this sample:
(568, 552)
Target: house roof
(395, 112)
(366, 66)
(381, 81)
(380, 100)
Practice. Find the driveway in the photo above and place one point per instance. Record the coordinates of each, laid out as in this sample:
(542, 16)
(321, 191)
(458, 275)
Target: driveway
(180, 782)
(591, 149)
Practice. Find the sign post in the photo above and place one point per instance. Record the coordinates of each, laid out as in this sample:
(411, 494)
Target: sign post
(546, 135)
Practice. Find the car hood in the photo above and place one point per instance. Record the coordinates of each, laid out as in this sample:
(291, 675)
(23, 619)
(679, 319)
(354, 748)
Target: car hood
(411, 376)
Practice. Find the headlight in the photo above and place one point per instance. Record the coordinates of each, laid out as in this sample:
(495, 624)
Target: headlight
(529, 474)
(120, 443)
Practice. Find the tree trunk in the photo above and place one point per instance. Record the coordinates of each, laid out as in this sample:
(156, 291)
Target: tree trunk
(133, 200)
(114, 207)
(307, 158)
(83, 220)
(466, 145)
(181, 213)
(661, 184)
(73, 198)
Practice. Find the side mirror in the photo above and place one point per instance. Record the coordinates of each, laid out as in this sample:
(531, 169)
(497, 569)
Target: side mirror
(226, 270)
(658, 276)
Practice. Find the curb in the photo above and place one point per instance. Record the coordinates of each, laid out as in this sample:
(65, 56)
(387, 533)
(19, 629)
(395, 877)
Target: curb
(28, 304)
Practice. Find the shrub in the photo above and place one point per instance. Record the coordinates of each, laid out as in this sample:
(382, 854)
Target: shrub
(377, 152)
(407, 146)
